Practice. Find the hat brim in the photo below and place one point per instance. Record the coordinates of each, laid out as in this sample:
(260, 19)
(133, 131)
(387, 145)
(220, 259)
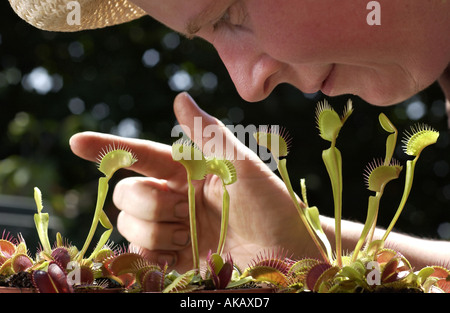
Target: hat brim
(71, 16)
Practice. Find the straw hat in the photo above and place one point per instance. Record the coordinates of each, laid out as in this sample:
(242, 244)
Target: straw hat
(69, 16)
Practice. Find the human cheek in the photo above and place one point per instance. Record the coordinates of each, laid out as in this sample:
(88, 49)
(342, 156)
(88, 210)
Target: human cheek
(286, 34)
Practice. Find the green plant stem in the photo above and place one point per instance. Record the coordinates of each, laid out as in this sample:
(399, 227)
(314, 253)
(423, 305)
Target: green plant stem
(333, 162)
(410, 165)
(374, 202)
(104, 220)
(41, 221)
(225, 217)
(313, 217)
(193, 224)
(101, 197)
(285, 176)
(374, 224)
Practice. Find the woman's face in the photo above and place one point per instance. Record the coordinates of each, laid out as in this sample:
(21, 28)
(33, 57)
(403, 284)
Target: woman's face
(317, 44)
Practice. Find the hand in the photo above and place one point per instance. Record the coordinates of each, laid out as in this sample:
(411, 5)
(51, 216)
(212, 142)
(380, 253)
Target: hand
(154, 208)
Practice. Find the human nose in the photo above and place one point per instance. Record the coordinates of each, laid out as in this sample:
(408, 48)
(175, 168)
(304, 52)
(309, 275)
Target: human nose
(254, 73)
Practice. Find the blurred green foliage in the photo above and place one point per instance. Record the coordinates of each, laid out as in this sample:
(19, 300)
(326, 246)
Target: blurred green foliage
(123, 80)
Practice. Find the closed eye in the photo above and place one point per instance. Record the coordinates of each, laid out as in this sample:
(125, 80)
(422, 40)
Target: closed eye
(234, 16)
(222, 21)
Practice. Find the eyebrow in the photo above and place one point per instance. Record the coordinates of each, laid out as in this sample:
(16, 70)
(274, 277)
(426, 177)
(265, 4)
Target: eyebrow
(195, 24)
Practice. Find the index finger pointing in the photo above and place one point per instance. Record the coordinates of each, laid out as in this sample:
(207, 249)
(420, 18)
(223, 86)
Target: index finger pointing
(154, 159)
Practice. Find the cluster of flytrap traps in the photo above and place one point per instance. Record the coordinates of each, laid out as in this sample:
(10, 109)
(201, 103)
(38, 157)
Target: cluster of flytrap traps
(336, 269)
(369, 267)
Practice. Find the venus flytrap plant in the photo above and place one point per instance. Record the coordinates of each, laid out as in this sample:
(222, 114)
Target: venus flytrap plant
(372, 268)
(391, 140)
(110, 160)
(226, 171)
(313, 218)
(197, 167)
(219, 270)
(13, 255)
(377, 177)
(278, 144)
(274, 267)
(193, 160)
(329, 124)
(41, 222)
(378, 174)
(415, 141)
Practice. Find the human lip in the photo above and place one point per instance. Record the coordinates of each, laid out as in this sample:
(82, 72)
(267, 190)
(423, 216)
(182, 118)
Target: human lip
(327, 83)
(317, 84)
(323, 83)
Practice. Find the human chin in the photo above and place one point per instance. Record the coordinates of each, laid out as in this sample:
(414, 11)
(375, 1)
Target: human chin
(373, 86)
(385, 95)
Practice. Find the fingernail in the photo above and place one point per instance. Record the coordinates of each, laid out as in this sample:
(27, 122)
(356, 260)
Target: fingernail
(180, 237)
(166, 258)
(181, 210)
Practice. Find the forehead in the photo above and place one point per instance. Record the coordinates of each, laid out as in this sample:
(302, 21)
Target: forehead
(182, 15)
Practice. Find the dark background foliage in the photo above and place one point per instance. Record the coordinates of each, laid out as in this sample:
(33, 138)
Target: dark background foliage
(123, 80)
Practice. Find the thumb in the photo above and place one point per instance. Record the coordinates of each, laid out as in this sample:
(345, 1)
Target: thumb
(207, 132)
(192, 119)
